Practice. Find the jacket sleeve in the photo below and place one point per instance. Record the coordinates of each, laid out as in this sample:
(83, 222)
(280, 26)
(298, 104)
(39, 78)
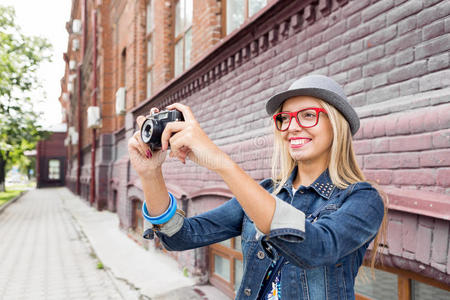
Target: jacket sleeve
(332, 236)
(211, 227)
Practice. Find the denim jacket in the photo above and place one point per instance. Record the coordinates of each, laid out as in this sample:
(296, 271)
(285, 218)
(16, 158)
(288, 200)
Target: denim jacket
(322, 232)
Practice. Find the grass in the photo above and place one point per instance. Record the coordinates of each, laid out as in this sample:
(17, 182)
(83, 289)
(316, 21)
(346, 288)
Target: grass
(14, 190)
(20, 186)
(8, 195)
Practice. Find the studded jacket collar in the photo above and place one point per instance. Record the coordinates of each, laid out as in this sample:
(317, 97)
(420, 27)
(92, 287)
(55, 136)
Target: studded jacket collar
(322, 185)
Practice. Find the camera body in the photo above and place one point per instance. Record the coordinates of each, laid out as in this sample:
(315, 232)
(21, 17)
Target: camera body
(154, 125)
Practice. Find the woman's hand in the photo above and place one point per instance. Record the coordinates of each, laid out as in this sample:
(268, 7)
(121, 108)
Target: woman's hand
(144, 161)
(188, 140)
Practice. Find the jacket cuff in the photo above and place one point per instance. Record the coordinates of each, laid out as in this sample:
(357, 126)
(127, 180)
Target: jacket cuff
(169, 228)
(288, 223)
(173, 225)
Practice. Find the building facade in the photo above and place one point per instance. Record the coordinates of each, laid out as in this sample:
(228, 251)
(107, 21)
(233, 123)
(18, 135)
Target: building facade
(224, 58)
(51, 158)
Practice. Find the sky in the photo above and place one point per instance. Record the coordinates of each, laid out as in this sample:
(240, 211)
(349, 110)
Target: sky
(46, 18)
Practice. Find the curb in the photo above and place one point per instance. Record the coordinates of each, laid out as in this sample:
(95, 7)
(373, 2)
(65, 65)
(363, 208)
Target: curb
(5, 206)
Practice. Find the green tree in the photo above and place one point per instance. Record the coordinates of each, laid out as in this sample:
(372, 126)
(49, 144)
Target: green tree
(20, 57)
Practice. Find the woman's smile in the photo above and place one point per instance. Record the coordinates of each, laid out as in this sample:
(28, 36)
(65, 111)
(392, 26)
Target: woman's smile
(298, 142)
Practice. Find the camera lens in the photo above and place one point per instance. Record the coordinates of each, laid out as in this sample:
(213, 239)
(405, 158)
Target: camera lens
(148, 131)
(151, 132)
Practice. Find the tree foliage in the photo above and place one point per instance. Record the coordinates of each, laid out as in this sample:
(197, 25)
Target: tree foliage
(20, 57)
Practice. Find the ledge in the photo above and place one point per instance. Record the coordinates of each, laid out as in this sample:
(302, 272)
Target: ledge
(419, 202)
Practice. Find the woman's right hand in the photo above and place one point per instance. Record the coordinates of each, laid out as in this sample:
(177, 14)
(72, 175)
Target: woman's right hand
(144, 161)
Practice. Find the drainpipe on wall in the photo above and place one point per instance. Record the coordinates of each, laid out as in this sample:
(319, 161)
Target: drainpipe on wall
(84, 16)
(79, 129)
(83, 50)
(94, 103)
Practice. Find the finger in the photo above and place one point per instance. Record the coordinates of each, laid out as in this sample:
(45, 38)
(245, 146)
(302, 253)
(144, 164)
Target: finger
(178, 149)
(185, 110)
(183, 154)
(143, 147)
(133, 145)
(154, 110)
(140, 120)
(171, 128)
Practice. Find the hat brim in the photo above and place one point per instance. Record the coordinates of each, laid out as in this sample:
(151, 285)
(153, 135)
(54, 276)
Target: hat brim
(330, 97)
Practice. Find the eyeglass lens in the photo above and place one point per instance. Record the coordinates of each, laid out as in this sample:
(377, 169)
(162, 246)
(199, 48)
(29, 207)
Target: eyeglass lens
(306, 118)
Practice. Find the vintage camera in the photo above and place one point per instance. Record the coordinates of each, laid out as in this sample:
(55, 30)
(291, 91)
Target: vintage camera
(153, 127)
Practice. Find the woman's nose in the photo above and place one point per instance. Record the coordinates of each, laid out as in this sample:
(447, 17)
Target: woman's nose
(294, 126)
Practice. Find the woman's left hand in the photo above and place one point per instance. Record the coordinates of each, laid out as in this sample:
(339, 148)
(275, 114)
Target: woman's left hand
(187, 139)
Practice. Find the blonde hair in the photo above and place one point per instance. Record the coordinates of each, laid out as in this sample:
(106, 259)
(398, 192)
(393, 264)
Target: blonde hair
(342, 167)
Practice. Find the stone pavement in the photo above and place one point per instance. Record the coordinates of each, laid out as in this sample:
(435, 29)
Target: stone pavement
(51, 243)
(43, 255)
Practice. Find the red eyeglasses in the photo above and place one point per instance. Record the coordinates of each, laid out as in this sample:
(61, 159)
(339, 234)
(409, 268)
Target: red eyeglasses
(306, 118)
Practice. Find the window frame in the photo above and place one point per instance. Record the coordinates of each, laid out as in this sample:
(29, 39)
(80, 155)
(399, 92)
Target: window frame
(223, 20)
(59, 169)
(404, 282)
(230, 254)
(181, 36)
(149, 37)
(137, 217)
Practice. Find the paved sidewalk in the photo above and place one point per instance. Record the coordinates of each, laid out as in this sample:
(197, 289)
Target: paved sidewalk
(43, 255)
(51, 242)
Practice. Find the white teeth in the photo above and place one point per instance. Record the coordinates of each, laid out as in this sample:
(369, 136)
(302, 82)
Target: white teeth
(299, 142)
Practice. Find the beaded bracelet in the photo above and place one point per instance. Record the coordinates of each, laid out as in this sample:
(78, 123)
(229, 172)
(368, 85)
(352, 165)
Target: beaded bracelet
(164, 217)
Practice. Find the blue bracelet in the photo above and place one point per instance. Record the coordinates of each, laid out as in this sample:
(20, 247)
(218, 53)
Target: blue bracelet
(164, 217)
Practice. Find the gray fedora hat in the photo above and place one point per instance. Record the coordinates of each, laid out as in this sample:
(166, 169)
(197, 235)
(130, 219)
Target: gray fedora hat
(321, 87)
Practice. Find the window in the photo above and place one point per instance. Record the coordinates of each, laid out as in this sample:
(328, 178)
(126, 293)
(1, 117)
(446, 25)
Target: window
(427, 292)
(392, 283)
(385, 286)
(226, 265)
(183, 35)
(237, 11)
(54, 169)
(148, 37)
(138, 220)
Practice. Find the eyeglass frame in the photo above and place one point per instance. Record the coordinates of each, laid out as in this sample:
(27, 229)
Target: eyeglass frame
(294, 114)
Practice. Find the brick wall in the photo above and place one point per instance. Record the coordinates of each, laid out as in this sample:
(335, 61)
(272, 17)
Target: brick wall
(392, 58)
(393, 69)
(393, 148)
(206, 29)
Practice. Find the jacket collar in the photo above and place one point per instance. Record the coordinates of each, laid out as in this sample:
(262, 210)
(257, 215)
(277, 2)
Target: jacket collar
(322, 185)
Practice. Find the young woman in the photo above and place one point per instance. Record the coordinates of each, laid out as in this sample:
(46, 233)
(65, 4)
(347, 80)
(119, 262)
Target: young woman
(305, 230)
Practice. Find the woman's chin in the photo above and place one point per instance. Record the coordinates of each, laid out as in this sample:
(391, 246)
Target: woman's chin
(298, 156)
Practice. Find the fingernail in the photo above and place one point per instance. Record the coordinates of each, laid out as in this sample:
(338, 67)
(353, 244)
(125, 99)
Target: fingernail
(149, 154)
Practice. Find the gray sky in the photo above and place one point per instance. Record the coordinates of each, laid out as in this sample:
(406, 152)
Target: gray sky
(46, 18)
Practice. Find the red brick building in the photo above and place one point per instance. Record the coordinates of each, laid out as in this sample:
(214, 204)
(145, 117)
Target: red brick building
(224, 58)
(51, 158)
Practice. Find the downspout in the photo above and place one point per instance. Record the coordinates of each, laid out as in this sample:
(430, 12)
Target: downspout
(94, 103)
(84, 16)
(83, 50)
(79, 130)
